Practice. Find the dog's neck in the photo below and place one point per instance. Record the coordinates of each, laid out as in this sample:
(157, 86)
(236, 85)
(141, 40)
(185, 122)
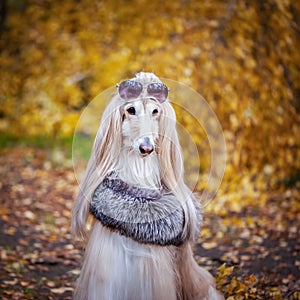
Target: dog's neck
(139, 171)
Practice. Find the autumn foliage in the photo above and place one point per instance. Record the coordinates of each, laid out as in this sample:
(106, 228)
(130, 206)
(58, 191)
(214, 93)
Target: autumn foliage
(242, 56)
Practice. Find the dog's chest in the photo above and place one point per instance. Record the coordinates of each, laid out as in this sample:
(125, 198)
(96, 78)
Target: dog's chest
(146, 216)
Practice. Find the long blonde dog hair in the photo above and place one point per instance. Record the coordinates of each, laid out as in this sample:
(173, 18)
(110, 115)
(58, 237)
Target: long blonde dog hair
(106, 152)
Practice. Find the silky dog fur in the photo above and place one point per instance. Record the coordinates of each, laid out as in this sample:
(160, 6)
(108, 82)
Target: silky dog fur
(117, 267)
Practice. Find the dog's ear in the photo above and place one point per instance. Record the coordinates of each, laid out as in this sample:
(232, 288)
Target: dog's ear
(108, 141)
(106, 149)
(171, 161)
(172, 169)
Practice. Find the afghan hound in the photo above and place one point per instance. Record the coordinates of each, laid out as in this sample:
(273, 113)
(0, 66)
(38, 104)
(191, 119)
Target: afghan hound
(134, 211)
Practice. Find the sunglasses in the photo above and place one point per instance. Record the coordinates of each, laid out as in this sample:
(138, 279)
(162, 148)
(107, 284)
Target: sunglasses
(131, 89)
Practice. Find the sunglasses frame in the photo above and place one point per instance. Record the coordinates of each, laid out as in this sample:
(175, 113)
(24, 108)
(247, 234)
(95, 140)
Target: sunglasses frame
(135, 88)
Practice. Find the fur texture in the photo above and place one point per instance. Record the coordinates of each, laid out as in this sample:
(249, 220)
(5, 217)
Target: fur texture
(149, 257)
(146, 216)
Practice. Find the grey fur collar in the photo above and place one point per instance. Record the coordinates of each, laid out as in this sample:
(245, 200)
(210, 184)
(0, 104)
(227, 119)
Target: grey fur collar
(147, 216)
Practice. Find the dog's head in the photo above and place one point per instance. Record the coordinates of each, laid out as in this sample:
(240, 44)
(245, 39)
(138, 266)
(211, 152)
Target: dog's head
(139, 118)
(141, 111)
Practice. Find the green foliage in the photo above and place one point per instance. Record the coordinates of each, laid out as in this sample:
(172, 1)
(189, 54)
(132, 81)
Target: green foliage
(38, 141)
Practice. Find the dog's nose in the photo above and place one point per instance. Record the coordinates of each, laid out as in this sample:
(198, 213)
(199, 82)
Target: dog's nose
(146, 149)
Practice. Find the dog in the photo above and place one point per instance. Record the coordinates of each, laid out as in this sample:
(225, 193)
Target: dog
(136, 215)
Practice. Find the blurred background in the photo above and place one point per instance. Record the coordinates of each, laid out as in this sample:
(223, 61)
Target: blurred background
(242, 56)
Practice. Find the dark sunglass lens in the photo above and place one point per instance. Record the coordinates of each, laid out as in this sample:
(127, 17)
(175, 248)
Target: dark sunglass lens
(158, 90)
(130, 89)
